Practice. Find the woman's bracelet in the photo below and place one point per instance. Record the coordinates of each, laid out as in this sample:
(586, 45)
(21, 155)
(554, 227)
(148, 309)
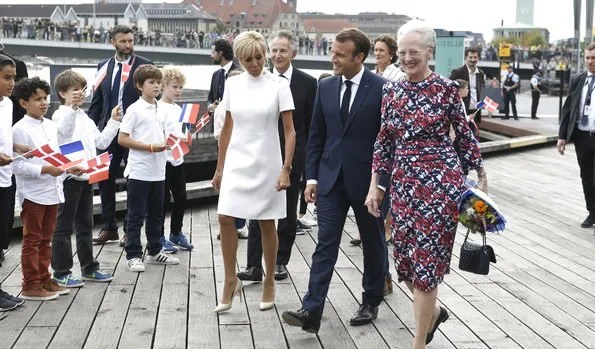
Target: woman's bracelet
(151, 148)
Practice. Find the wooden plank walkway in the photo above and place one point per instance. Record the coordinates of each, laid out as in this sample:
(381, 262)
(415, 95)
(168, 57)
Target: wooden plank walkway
(540, 294)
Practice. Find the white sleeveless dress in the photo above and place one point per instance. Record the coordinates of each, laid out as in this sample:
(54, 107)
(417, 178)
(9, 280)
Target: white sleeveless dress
(253, 160)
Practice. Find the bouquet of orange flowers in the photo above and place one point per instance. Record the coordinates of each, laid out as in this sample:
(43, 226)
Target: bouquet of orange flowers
(479, 213)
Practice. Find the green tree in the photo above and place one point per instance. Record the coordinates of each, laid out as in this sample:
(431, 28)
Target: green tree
(505, 40)
(220, 28)
(533, 39)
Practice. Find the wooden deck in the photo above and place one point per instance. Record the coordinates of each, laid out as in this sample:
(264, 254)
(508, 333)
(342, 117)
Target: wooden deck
(540, 294)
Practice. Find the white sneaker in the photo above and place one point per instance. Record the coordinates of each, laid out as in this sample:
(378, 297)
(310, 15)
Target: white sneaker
(306, 221)
(136, 265)
(162, 258)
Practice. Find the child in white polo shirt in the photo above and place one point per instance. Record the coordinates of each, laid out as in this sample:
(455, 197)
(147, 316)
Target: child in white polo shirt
(143, 132)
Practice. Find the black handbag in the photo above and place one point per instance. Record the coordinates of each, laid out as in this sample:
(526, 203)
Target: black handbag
(476, 258)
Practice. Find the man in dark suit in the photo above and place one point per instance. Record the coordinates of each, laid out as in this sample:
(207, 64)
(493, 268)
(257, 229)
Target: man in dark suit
(475, 77)
(282, 45)
(578, 125)
(106, 97)
(345, 123)
(221, 54)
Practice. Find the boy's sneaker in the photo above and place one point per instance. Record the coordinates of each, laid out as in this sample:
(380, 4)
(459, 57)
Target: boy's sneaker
(8, 296)
(302, 226)
(98, 276)
(162, 258)
(136, 264)
(7, 305)
(39, 294)
(308, 222)
(69, 281)
(52, 286)
(168, 247)
(181, 241)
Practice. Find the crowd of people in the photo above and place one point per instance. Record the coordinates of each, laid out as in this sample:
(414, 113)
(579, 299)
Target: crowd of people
(393, 144)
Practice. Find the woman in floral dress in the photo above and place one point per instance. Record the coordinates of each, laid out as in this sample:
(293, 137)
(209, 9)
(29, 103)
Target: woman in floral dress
(414, 147)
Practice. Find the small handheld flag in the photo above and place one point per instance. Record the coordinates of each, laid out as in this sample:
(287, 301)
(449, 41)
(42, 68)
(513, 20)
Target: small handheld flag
(189, 113)
(204, 120)
(488, 104)
(100, 75)
(51, 156)
(98, 168)
(177, 146)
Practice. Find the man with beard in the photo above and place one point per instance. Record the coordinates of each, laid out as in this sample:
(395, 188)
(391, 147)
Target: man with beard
(222, 55)
(110, 93)
(475, 77)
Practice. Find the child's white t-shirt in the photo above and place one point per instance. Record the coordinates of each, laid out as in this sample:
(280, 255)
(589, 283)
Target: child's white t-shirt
(143, 124)
(6, 140)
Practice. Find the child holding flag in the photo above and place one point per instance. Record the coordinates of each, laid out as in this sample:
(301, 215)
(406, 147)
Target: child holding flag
(39, 189)
(175, 180)
(77, 210)
(143, 132)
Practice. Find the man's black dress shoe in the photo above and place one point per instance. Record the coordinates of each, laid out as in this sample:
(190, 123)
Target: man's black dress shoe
(364, 315)
(281, 272)
(589, 221)
(442, 317)
(251, 274)
(302, 318)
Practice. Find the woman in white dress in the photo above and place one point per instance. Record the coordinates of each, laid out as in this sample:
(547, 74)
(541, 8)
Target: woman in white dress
(250, 175)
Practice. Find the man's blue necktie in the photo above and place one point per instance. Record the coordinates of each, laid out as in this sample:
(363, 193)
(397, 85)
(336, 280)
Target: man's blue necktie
(115, 93)
(345, 102)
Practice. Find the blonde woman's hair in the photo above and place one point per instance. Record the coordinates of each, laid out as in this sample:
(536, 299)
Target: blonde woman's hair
(172, 74)
(247, 43)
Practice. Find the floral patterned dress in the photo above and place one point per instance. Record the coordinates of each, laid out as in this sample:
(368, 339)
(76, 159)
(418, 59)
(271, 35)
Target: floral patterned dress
(414, 147)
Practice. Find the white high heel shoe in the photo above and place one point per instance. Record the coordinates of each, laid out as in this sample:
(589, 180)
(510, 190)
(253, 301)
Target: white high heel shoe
(222, 307)
(267, 305)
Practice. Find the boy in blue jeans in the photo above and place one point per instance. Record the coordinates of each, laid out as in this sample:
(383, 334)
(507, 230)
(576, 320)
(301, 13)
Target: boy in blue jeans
(77, 209)
(143, 132)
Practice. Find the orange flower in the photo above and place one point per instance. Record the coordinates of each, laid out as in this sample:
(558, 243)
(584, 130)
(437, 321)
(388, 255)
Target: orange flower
(480, 207)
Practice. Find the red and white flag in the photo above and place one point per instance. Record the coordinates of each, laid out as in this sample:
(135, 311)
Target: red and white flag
(100, 75)
(125, 73)
(178, 147)
(204, 120)
(490, 105)
(98, 168)
(50, 155)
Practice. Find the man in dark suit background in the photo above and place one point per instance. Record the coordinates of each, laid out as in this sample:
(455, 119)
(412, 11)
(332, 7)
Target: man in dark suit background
(108, 95)
(345, 123)
(476, 79)
(222, 55)
(283, 48)
(578, 125)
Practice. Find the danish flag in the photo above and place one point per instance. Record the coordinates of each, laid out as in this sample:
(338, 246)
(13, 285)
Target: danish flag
(125, 73)
(98, 168)
(51, 156)
(487, 104)
(204, 120)
(177, 146)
